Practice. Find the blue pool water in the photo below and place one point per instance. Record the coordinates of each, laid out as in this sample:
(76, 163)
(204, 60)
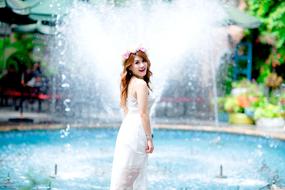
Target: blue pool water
(182, 160)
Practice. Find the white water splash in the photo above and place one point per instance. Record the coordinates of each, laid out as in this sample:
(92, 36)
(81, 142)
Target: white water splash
(174, 34)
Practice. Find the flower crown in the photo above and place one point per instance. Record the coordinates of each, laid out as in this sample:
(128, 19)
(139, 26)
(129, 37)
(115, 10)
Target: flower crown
(128, 53)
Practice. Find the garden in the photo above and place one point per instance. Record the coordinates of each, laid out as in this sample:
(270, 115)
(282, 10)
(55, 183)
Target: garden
(260, 100)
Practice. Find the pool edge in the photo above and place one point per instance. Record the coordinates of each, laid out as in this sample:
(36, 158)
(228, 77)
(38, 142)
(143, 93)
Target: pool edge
(242, 130)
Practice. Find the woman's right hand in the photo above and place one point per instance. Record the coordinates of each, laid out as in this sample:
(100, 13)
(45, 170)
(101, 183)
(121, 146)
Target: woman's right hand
(149, 146)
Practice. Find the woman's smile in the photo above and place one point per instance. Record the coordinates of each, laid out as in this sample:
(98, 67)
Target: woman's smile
(139, 67)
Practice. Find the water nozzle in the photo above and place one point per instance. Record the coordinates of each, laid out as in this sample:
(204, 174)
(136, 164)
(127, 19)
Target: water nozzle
(55, 169)
(221, 175)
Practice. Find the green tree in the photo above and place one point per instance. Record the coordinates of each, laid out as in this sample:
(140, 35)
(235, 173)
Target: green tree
(269, 38)
(21, 49)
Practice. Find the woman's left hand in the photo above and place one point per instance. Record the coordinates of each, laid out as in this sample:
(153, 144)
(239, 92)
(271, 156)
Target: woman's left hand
(149, 146)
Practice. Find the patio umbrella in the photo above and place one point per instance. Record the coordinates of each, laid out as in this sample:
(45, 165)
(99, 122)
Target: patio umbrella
(42, 27)
(48, 11)
(240, 18)
(47, 15)
(32, 15)
(21, 7)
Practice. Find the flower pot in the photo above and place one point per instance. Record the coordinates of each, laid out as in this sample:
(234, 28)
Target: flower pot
(270, 123)
(223, 116)
(240, 118)
(239, 90)
(283, 114)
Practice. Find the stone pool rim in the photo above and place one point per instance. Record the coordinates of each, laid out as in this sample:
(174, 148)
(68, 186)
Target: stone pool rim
(250, 130)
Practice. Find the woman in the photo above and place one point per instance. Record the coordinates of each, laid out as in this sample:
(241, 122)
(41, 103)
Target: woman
(134, 140)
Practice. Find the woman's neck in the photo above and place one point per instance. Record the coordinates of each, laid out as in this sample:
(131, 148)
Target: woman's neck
(136, 76)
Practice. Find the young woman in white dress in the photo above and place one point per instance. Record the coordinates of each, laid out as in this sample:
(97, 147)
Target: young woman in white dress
(134, 140)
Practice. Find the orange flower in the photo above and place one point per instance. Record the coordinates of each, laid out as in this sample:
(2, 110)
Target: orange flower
(243, 101)
(252, 99)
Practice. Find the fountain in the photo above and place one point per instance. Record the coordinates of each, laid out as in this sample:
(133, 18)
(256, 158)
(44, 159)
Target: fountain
(183, 160)
(183, 39)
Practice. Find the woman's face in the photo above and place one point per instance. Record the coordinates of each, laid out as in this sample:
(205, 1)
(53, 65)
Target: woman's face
(139, 67)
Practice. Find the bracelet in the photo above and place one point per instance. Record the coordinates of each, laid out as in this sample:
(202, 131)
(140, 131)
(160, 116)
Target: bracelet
(149, 137)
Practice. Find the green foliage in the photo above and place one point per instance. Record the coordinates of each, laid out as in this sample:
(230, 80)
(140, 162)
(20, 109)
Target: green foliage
(272, 15)
(19, 58)
(265, 71)
(244, 95)
(23, 42)
(23, 46)
(247, 97)
(231, 105)
(269, 38)
(276, 25)
(267, 111)
(4, 42)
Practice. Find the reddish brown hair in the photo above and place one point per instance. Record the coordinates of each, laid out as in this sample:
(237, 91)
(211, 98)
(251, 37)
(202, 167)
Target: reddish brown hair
(126, 75)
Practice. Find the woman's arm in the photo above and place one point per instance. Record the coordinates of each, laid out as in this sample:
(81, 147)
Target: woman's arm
(142, 97)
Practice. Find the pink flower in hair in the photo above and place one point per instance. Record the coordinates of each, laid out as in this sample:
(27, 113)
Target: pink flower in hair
(126, 55)
(141, 49)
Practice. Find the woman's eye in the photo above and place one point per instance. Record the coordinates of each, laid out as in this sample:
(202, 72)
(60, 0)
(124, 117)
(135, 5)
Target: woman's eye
(137, 62)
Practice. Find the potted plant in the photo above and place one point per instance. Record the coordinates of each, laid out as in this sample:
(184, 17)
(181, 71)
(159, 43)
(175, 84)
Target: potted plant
(236, 107)
(273, 81)
(240, 103)
(269, 116)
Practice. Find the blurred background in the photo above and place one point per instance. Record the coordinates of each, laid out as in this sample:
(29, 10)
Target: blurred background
(60, 61)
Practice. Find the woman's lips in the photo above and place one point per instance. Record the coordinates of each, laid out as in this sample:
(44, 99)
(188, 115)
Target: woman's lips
(142, 70)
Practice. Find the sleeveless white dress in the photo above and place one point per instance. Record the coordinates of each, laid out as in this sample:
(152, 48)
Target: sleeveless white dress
(130, 157)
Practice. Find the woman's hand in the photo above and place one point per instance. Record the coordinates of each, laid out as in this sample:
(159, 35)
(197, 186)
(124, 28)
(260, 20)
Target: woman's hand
(149, 146)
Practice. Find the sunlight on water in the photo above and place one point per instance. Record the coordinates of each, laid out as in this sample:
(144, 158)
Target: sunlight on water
(183, 159)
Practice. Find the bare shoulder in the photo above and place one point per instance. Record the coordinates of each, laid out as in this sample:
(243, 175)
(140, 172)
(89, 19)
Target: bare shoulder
(140, 86)
(140, 83)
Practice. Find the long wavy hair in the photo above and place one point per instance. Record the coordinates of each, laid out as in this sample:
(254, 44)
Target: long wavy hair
(126, 75)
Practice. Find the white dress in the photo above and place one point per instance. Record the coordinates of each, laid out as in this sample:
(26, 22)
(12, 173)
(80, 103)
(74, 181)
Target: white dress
(130, 157)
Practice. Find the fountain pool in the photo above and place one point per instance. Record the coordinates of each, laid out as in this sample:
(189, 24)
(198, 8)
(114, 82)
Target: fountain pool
(44, 159)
